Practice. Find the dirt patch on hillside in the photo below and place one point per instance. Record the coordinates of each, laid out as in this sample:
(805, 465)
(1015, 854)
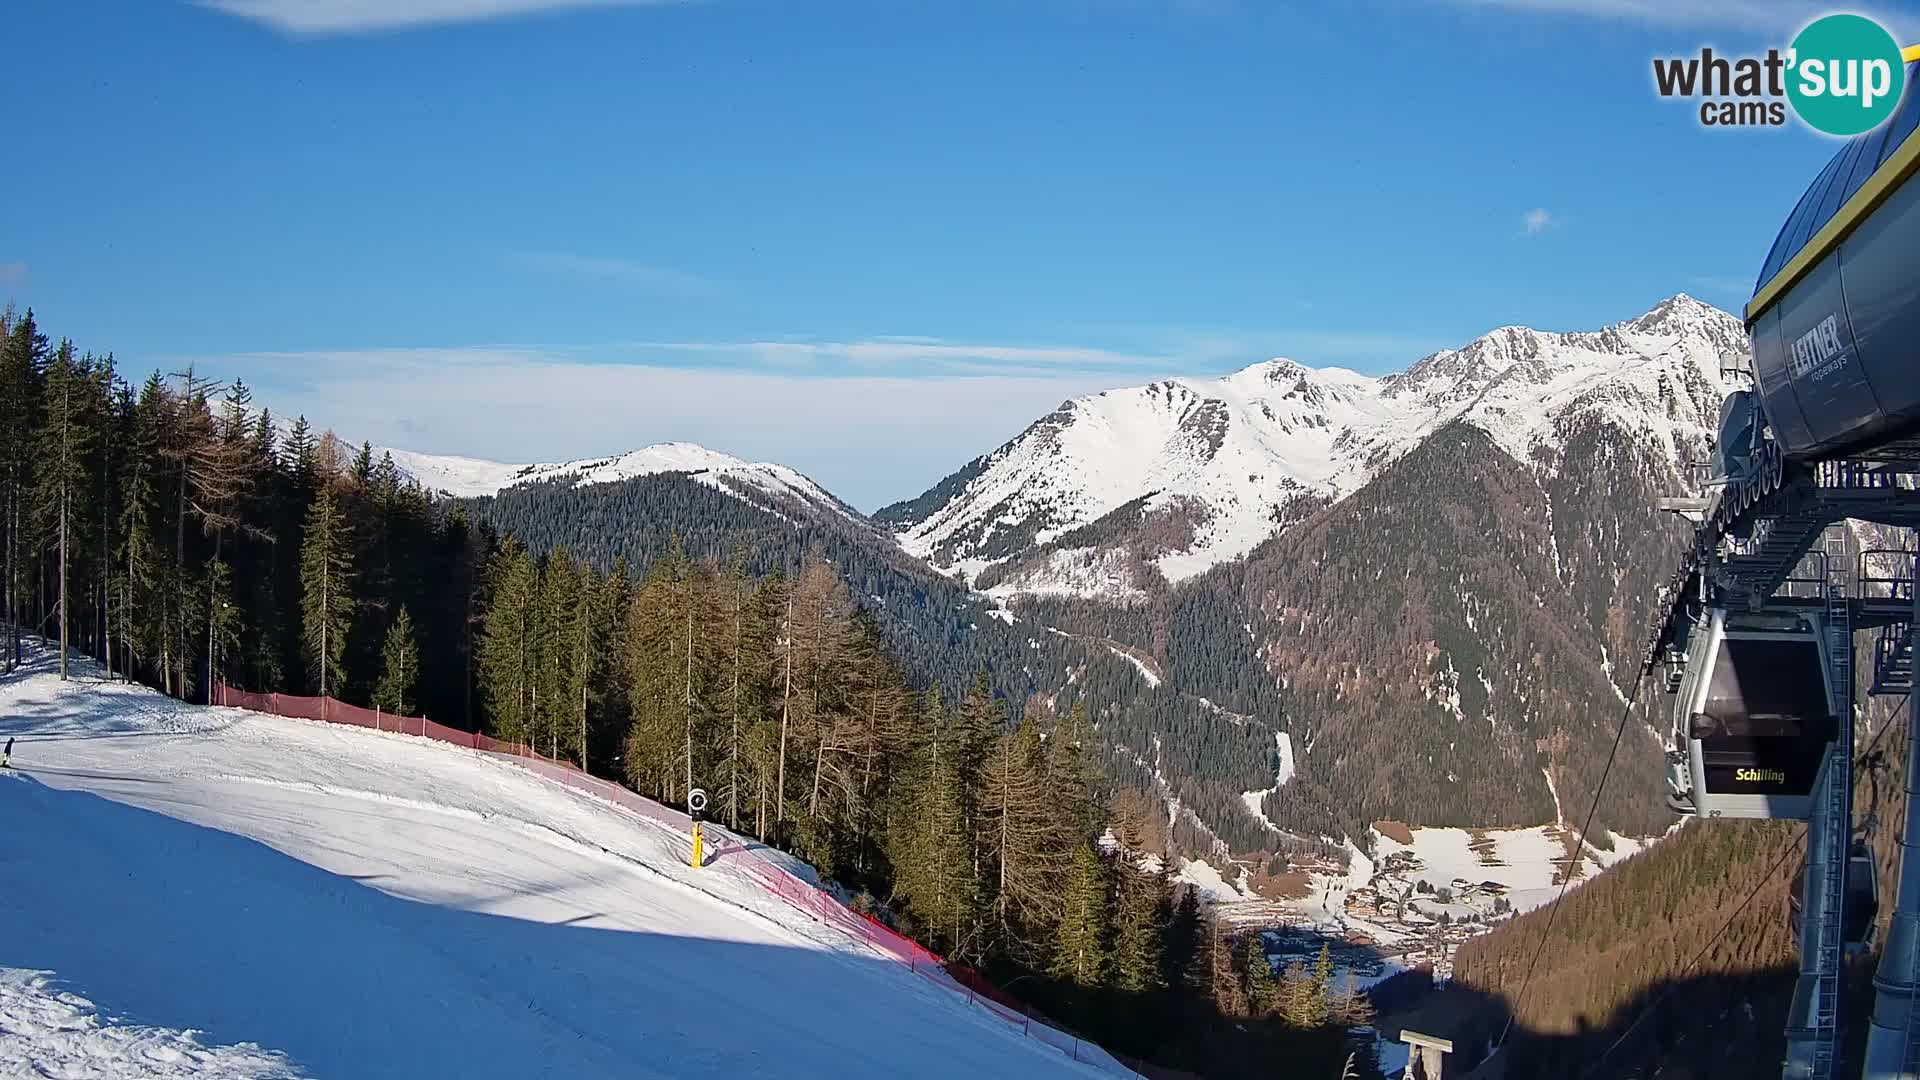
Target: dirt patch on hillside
(1394, 831)
(1292, 885)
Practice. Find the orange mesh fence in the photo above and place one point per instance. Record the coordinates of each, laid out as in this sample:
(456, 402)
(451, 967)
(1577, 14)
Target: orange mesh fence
(781, 882)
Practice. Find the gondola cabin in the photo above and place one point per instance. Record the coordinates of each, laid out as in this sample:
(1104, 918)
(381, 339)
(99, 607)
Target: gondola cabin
(1753, 717)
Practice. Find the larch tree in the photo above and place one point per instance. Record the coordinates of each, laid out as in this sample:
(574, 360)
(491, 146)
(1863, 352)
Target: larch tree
(1023, 849)
(326, 602)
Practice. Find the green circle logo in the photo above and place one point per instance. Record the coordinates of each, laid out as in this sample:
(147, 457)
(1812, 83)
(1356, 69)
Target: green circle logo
(1845, 74)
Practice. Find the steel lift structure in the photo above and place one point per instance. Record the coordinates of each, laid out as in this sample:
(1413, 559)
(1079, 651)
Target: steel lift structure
(1757, 632)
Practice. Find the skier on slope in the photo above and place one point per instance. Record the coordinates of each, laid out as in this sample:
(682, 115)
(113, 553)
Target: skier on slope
(6, 756)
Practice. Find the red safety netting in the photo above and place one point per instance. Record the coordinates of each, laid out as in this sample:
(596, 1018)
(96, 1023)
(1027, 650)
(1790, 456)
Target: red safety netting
(776, 879)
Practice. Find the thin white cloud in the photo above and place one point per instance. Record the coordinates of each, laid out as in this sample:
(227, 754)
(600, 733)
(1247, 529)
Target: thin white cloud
(904, 355)
(359, 16)
(1537, 221)
(871, 439)
(630, 273)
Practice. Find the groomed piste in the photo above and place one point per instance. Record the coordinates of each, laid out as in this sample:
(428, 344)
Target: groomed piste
(193, 891)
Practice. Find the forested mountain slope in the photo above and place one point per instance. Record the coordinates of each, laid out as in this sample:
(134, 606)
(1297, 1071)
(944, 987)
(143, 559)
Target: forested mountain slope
(1461, 599)
(1683, 954)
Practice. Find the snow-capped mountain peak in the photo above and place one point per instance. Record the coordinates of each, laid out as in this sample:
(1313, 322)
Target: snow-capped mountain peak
(763, 482)
(1207, 469)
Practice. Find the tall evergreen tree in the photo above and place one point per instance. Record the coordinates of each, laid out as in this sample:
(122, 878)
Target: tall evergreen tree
(1079, 952)
(1136, 961)
(63, 486)
(507, 655)
(937, 872)
(22, 358)
(1071, 777)
(745, 644)
(140, 559)
(563, 674)
(1263, 993)
(399, 667)
(225, 620)
(327, 602)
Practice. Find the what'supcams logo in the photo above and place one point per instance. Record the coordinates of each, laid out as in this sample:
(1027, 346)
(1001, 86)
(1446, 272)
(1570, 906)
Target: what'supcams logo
(1842, 75)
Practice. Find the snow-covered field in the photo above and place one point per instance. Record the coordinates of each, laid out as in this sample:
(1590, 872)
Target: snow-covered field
(1521, 859)
(197, 891)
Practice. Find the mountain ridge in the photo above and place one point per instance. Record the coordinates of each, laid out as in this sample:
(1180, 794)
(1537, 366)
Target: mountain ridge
(1206, 470)
(766, 484)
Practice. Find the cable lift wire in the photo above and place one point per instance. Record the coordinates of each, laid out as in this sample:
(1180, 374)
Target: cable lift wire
(1791, 850)
(1573, 860)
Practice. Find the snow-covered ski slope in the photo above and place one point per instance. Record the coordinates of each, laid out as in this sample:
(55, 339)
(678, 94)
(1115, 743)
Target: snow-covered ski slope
(199, 891)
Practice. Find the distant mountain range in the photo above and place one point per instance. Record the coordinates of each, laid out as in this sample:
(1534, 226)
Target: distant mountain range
(1119, 492)
(1431, 582)
(762, 483)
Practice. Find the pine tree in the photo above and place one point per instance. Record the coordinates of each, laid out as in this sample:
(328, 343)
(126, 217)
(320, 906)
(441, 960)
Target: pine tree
(1185, 939)
(1071, 778)
(225, 619)
(506, 653)
(1263, 993)
(21, 397)
(298, 456)
(399, 667)
(934, 856)
(141, 556)
(1079, 952)
(612, 712)
(327, 602)
(1136, 932)
(104, 418)
(65, 438)
(563, 675)
(1323, 980)
(745, 645)
(659, 666)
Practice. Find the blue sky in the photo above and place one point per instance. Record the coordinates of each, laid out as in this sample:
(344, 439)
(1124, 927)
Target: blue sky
(869, 239)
